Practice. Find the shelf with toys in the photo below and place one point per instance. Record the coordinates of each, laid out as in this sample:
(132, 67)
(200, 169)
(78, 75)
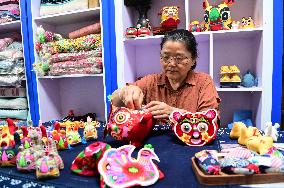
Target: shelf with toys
(14, 59)
(68, 60)
(241, 44)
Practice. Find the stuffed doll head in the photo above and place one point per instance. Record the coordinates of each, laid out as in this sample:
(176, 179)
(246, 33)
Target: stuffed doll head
(8, 154)
(58, 136)
(129, 172)
(218, 17)
(169, 16)
(195, 129)
(129, 125)
(7, 134)
(72, 135)
(86, 163)
(90, 131)
(46, 167)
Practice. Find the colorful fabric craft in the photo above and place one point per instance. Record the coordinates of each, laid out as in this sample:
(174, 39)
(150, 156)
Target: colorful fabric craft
(119, 169)
(86, 43)
(86, 163)
(58, 136)
(169, 16)
(90, 131)
(195, 129)
(208, 161)
(217, 17)
(238, 166)
(46, 167)
(7, 134)
(132, 126)
(91, 70)
(91, 29)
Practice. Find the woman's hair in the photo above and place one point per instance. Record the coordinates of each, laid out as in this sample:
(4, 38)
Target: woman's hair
(182, 35)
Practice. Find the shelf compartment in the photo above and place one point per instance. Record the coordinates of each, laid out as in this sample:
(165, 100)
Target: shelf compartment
(240, 89)
(156, 39)
(69, 17)
(82, 94)
(71, 76)
(10, 26)
(233, 101)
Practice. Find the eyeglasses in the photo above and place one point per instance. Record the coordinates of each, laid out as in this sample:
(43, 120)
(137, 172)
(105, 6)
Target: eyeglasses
(178, 59)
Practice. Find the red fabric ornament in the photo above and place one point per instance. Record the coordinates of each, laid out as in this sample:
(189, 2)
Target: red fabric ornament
(129, 125)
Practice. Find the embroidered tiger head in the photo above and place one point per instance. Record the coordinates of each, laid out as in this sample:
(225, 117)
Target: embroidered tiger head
(169, 16)
(247, 22)
(195, 129)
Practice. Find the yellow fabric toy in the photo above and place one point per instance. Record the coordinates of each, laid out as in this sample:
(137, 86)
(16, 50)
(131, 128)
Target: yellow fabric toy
(236, 130)
(260, 144)
(248, 133)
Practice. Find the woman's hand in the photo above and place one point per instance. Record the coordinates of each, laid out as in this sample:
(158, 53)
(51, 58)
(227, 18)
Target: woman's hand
(131, 96)
(160, 110)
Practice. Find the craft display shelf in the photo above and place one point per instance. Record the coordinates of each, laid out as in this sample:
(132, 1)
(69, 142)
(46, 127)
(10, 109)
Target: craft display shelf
(59, 94)
(18, 27)
(242, 47)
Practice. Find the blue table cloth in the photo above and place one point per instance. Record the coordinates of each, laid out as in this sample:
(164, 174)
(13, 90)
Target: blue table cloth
(175, 162)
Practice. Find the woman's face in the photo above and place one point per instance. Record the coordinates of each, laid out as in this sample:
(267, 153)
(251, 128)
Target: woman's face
(176, 60)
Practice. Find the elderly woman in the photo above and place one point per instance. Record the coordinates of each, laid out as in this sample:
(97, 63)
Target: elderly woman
(177, 87)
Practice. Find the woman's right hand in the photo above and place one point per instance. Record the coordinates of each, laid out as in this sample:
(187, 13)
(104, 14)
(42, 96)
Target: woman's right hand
(132, 96)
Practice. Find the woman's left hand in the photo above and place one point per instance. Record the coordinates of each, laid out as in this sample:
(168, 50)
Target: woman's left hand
(160, 110)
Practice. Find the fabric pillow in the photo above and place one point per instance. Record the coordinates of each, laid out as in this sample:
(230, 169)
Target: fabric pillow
(14, 114)
(17, 103)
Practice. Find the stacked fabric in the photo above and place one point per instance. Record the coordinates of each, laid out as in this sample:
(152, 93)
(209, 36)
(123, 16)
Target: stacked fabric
(12, 73)
(9, 10)
(57, 6)
(60, 56)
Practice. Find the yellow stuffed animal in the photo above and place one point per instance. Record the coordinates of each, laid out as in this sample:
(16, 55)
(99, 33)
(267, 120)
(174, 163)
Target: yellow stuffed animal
(236, 130)
(260, 144)
(247, 133)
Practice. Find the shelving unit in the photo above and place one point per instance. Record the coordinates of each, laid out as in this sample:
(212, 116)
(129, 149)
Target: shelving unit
(59, 94)
(241, 47)
(15, 91)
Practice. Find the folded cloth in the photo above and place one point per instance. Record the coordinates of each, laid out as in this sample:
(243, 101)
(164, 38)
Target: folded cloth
(88, 70)
(91, 29)
(6, 2)
(11, 54)
(75, 56)
(13, 92)
(5, 42)
(54, 7)
(15, 46)
(14, 114)
(12, 67)
(13, 8)
(11, 80)
(17, 103)
(82, 63)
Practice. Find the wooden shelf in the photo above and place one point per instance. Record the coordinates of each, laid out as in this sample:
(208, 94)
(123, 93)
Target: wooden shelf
(71, 76)
(10, 26)
(240, 89)
(200, 36)
(69, 17)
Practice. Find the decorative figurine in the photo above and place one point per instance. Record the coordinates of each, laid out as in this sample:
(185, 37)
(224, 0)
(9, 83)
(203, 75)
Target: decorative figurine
(218, 17)
(169, 16)
(247, 23)
(249, 80)
(195, 27)
(195, 129)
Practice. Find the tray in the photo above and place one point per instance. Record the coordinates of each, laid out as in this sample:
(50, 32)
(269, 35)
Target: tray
(226, 179)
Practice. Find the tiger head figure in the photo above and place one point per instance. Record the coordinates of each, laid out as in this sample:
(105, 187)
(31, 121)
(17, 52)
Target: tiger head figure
(247, 23)
(217, 17)
(195, 129)
(169, 16)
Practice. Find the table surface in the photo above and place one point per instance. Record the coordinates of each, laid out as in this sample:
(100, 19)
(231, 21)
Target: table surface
(174, 162)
